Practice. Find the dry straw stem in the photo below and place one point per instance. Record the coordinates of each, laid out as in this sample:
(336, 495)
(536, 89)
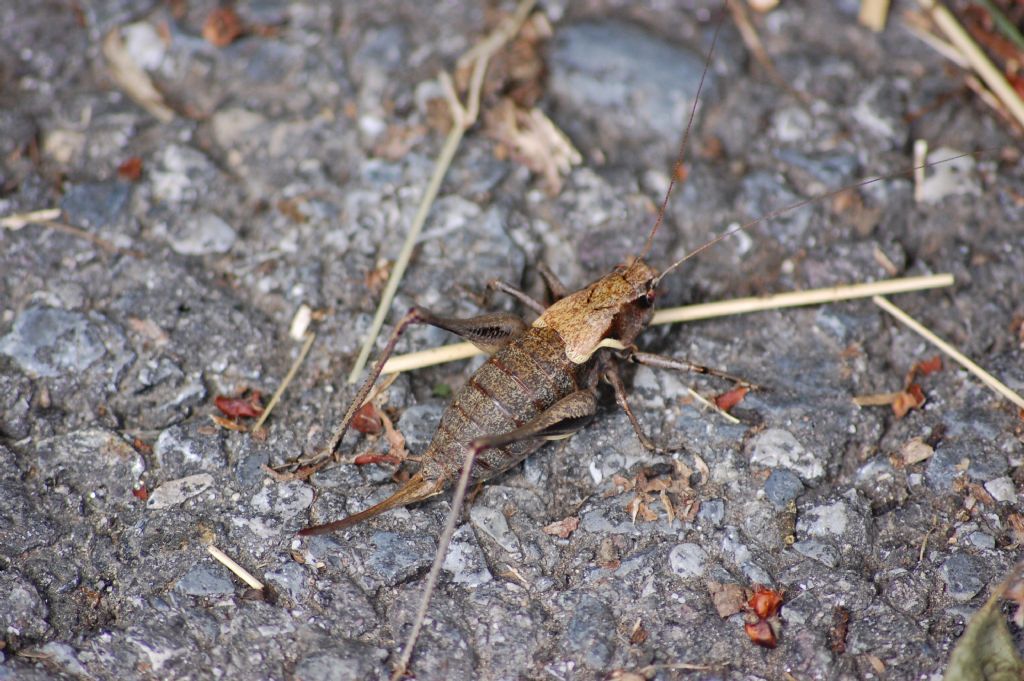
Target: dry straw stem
(132, 79)
(310, 337)
(689, 313)
(873, 14)
(463, 117)
(985, 377)
(16, 221)
(981, 63)
(240, 571)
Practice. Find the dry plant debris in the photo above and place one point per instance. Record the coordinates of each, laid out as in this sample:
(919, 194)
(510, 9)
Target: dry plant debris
(760, 606)
(222, 27)
(562, 528)
(653, 486)
(996, 61)
(245, 405)
(910, 397)
(132, 79)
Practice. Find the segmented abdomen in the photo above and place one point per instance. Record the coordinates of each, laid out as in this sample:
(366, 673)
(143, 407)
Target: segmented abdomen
(516, 384)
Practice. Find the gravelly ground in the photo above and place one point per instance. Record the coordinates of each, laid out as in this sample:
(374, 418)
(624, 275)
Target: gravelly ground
(279, 182)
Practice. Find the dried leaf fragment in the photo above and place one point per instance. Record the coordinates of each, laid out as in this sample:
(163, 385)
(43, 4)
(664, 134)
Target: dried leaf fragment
(911, 398)
(728, 599)
(367, 420)
(638, 634)
(929, 366)
(130, 169)
(765, 602)
(562, 528)
(240, 407)
(916, 451)
(760, 632)
(730, 399)
(222, 27)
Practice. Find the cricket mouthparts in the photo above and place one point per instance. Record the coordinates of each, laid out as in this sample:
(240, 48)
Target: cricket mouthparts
(416, 489)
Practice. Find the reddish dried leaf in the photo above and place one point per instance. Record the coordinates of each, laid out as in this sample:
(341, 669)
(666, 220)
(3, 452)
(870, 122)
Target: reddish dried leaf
(130, 169)
(728, 599)
(761, 633)
(911, 398)
(930, 366)
(562, 528)
(765, 602)
(728, 400)
(222, 27)
(240, 407)
(141, 493)
(364, 459)
(367, 420)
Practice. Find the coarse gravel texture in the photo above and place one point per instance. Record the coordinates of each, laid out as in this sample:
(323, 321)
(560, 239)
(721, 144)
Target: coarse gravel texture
(292, 169)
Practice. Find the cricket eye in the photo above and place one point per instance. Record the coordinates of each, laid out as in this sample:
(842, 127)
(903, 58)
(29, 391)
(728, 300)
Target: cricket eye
(647, 300)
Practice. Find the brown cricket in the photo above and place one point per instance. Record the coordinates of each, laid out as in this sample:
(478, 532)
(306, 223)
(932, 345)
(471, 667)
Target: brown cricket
(540, 382)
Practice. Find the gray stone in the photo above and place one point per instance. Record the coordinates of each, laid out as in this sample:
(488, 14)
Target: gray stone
(778, 448)
(394, 557)
(205, 580)
(175, 492)
(712, 512)
(825, 520)
(822, 552)
(642, 85)
(202, 234)
(284, 501)
(184, 449)
(1002, 489)
(963, 577)
(95, 206)
(22, 611)
(495, 525)
(982, 540)
(47, 341)
(98, 462)
(418, 424)
(289, 578)
(465, 560)
(590, 635)
(688, 560)
(343, 661)
(782, 487)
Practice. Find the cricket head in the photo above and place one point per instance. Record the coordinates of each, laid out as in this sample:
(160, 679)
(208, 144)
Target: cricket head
(611, 312)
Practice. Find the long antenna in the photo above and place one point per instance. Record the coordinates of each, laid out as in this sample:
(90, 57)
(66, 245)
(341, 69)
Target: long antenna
(682, 145)
(803, 202)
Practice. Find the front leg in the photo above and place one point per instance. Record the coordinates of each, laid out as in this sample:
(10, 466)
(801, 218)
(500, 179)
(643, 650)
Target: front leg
(612, 375)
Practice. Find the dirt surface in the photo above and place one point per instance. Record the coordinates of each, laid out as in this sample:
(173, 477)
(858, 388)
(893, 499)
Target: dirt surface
(286, 172)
